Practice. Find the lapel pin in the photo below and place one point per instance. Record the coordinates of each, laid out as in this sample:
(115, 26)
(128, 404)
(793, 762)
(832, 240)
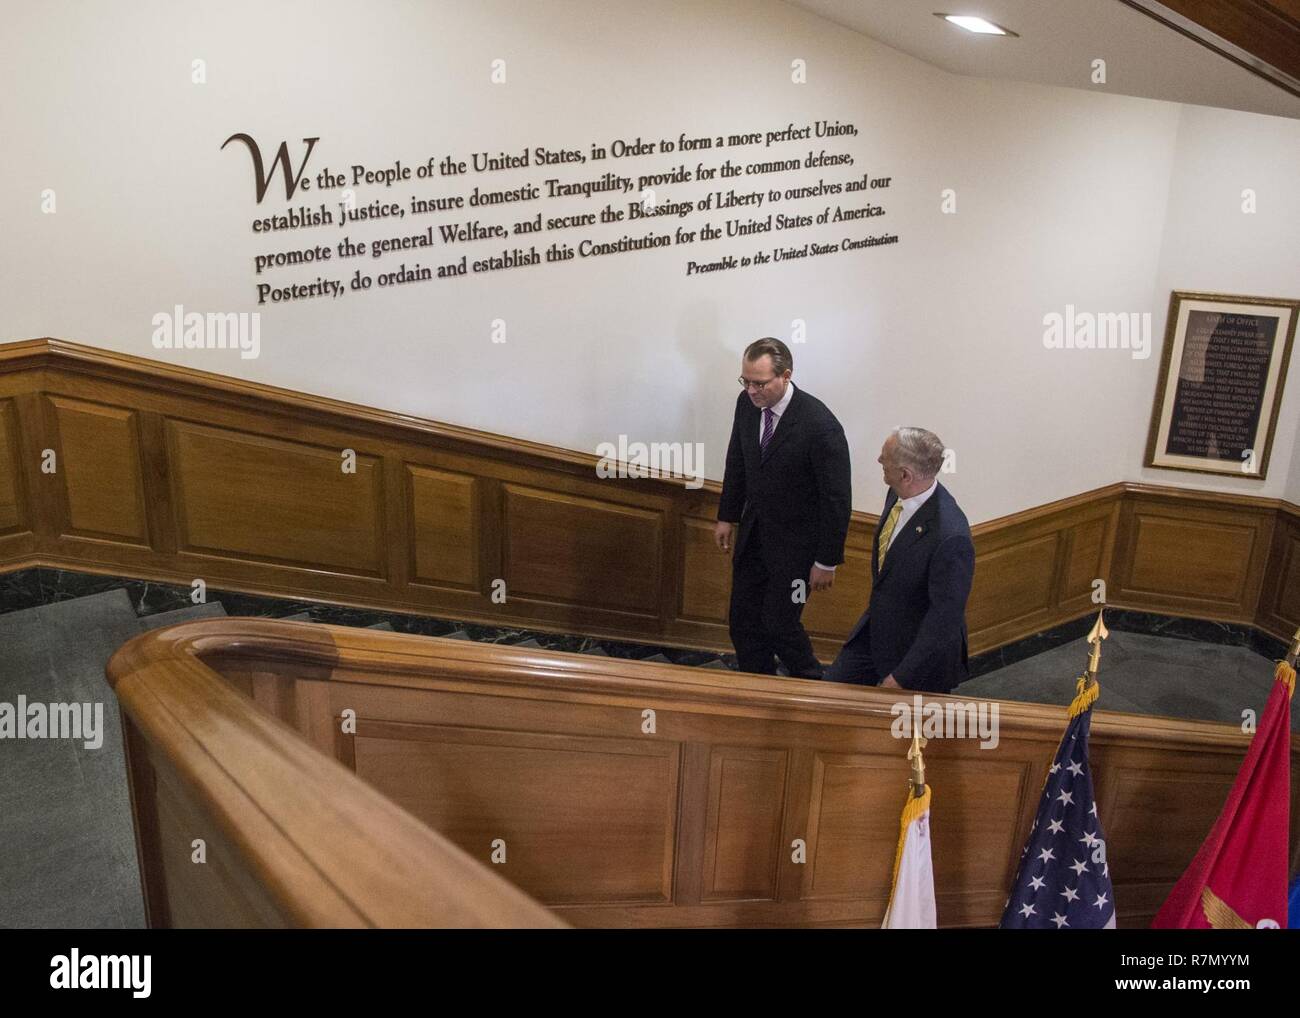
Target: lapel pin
(918, 530)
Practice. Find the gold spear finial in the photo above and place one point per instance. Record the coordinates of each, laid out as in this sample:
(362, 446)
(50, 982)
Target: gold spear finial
(1098, 633)
(918, 762)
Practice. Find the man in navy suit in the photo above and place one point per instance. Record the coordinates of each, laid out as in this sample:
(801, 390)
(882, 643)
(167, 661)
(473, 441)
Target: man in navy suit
(913, 633)
(788, 489)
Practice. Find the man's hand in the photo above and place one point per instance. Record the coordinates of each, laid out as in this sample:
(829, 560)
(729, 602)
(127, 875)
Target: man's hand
(722, 531)
(821, 579)
(890, 683)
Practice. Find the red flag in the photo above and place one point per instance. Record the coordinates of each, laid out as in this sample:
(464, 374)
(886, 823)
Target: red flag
(1238, 878)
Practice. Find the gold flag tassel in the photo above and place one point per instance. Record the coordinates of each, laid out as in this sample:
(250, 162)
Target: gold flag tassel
(1285, 671)
(1087, 688)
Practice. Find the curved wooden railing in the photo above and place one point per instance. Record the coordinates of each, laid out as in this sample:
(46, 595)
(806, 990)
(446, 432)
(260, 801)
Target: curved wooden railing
(289, 836)
(351, 777)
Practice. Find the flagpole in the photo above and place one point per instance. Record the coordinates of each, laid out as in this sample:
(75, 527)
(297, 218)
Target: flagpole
(1087, 688)
(918, 762)
(1098, 633)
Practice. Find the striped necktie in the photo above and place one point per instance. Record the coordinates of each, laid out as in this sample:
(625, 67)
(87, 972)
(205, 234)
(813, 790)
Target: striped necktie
(769, 422)
(887, 531)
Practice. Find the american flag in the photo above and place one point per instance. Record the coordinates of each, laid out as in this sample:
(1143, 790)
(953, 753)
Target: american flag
(1063, 881)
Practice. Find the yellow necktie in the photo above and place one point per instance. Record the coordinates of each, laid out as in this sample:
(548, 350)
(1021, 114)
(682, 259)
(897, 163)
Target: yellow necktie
(887, 531)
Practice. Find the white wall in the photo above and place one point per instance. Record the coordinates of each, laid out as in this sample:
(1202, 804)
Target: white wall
(1063, 197)
(1210, 244)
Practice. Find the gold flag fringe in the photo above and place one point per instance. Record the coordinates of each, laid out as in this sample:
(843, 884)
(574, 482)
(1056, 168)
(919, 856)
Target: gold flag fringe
(1285, 673)
(916, 806)
(1084, 696)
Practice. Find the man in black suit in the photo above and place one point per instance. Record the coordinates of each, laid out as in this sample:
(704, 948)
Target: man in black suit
(787, 485)
(913, 633)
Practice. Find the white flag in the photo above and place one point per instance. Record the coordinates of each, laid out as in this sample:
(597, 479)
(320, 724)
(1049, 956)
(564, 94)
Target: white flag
(911, 902)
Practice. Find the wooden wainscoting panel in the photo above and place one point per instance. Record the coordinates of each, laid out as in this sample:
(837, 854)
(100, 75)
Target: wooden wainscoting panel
(1155, 820)
(240, 483)
(1197, 556)
(853, 826)
(706, 574)
(444, 514)
(1279, 603)
(1090, 546)
(261, 499)
(99, 462)
(13, 507)
(831, 615)
(570, 548)
(1190, 559)
(540, 795)
(1014, 590)
(976, 815)
(1155, 816)
(742, 834)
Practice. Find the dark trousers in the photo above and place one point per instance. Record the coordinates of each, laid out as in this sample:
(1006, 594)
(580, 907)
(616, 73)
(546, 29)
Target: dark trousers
(765, 617)
(853, 663)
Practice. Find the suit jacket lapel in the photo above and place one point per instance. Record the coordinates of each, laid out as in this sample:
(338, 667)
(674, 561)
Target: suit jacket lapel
(749, 437)
(915, 529)
(785, 423)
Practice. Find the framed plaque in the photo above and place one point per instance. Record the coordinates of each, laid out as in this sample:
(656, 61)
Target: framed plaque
(1221, 375)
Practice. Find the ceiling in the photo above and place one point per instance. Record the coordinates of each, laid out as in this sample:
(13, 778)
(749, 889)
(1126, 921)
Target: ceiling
(1058, 41)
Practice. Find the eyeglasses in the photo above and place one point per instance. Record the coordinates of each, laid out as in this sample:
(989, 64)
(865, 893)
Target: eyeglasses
(745, 383)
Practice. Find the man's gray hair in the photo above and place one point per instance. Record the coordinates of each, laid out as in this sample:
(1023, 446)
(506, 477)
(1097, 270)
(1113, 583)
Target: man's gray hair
(919, 450)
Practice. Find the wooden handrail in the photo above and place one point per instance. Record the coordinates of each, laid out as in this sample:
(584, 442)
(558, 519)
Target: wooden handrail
(399, 659)
(328, 848)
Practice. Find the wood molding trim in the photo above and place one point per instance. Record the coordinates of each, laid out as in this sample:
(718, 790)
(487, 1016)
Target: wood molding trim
(121, 465)
(606, 823)
(1263, 36)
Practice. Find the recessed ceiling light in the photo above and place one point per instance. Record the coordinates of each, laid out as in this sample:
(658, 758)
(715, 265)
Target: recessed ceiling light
(978, 25)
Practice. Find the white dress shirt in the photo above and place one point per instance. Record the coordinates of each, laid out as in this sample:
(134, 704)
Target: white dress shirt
(910, 506)
(778, 409)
